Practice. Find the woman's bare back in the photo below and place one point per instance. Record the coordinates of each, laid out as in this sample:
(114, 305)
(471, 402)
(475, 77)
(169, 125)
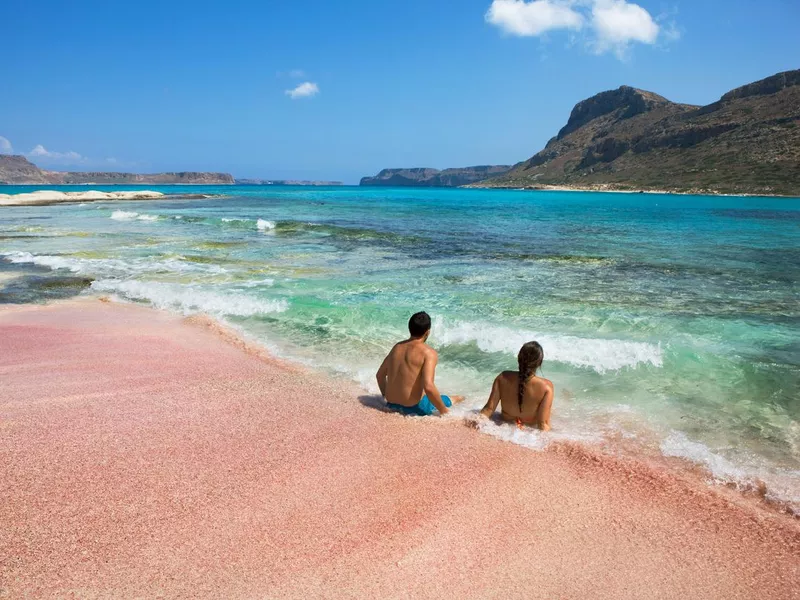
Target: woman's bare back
(537, 400)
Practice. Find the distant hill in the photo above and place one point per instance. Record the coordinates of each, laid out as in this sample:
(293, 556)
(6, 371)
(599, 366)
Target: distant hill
(20, 171)
(423, 177)
(747, 142)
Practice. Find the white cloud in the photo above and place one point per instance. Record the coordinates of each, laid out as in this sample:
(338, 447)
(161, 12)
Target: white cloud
(68, 158)
(617, 23)
(45, 156)
(533, 18)
(304, 90)
(614, 24)
(671, 32)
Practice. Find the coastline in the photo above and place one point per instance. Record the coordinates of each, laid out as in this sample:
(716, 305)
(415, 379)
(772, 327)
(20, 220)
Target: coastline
(148, 453)
(611, 189)
(45, 197)
(51, 197)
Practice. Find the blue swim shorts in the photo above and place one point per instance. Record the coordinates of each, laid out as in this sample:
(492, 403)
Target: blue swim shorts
(425, 408)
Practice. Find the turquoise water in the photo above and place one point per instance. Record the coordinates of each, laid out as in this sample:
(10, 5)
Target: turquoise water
(667, 321)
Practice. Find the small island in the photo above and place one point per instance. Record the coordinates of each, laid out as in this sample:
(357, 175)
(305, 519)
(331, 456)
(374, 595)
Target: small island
(288, 182)
(426, 177)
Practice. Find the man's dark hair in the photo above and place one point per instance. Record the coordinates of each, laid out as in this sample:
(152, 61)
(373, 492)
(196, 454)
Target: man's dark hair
(419, 324)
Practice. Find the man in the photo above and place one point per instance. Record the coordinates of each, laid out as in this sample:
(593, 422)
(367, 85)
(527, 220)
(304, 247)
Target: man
(406, 375)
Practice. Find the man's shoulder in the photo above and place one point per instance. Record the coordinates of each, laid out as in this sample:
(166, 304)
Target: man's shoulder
(399, 346)
(430, 352)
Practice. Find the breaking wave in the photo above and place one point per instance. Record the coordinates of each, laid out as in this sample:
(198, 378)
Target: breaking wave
(777, 485)
(263, 225)
(301, 228)
(601, 355)
(105, 267)
(122, 215)
(190, 299)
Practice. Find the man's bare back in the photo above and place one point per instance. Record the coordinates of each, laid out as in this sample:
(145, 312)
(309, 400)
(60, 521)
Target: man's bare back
(406, 377)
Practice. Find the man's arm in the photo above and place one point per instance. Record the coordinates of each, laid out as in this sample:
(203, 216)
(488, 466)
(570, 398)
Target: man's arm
(382, 374)
(494, 399)
(429, 386)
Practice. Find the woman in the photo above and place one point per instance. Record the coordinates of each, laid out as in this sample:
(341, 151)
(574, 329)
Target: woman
(524, 398)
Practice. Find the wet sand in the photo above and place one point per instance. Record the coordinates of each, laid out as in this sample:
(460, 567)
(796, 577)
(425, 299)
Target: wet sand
(145, 456)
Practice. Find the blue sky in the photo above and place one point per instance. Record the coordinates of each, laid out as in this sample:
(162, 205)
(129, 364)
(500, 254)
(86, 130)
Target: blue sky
(171, 85)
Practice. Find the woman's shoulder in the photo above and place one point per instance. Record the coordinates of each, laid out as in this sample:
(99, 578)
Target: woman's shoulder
(546, 382)
(540, 382)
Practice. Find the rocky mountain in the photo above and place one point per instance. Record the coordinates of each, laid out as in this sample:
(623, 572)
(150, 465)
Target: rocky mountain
(422, 177)
(19, 170)
(747, 142)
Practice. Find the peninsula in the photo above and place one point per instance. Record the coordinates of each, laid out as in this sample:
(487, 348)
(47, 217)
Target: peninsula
(18, 170)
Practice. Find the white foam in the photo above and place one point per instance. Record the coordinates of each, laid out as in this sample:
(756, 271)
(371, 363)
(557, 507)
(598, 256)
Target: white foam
(261, 224)
(122, 215)
(782, 485)
(265, 225)
(105, 267)
(601, 355)
(678, 445)
(189, 299)
(528, 437)
(267, 282)
(52, 196)
(53, 262)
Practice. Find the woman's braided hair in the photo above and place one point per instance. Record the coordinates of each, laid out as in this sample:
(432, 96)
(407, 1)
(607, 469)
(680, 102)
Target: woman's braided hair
(530, 358)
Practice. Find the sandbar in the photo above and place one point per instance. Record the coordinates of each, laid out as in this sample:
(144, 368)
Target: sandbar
(46, 197)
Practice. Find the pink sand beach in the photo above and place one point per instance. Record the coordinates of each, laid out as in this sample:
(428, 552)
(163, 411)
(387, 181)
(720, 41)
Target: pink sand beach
(145, 456)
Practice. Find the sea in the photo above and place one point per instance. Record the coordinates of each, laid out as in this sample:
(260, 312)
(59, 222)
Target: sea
(670, 323)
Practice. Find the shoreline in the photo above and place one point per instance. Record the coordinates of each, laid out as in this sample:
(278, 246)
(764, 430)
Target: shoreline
(599, 188)
(173, 456)
(751, 489)
(51, 197)
(609, 189)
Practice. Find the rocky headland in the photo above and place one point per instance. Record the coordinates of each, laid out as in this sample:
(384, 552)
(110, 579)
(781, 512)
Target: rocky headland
(426, 177)
(627, 139)
(18, 170)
